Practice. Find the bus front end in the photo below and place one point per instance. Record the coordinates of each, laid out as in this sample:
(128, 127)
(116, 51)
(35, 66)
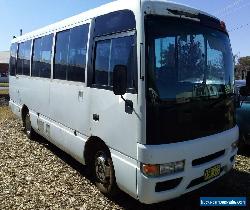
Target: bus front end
(191, 131)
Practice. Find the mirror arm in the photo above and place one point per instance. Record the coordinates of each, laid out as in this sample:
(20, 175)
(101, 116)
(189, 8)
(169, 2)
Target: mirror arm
(123, 98)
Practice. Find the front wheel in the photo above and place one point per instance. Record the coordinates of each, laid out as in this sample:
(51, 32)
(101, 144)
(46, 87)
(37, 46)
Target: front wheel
(104, 173)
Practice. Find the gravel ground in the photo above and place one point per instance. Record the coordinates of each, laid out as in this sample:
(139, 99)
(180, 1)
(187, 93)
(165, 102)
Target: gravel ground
(34, 174)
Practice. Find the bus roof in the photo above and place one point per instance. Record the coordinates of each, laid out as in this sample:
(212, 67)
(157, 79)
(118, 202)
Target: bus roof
(151, 6)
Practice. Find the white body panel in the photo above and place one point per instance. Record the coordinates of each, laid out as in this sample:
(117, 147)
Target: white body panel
(62, 112)
(68, 108)
(113, 118)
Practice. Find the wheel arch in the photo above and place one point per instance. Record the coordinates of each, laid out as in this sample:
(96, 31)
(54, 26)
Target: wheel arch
(90, 147)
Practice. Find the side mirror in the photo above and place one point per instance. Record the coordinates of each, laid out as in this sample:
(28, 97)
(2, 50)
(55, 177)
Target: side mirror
(245, 91)
(120, 79)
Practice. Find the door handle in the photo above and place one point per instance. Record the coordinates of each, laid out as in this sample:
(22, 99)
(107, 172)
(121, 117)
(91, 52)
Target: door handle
(80, 95)
(95, 117)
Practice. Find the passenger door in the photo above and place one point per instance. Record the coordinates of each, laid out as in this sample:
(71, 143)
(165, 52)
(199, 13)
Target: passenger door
(109, 119)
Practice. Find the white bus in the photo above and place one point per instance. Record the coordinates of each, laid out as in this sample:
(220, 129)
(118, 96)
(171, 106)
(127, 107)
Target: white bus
(140, 91)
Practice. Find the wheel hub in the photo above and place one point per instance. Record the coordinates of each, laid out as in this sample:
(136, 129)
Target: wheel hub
(102, 169)
(27, 125)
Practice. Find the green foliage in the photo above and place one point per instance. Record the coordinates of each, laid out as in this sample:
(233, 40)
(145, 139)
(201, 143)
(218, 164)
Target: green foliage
(242, 67)
(4, 92)
(4, 84)
(244, 61)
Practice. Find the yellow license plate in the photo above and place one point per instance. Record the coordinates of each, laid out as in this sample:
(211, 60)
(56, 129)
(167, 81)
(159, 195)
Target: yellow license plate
(212, 172)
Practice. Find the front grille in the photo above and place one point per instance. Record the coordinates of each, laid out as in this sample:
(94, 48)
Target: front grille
(208, 158)
(167, 185)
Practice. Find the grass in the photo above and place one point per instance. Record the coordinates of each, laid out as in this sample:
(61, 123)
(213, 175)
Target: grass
(4, 84)
(4, 92)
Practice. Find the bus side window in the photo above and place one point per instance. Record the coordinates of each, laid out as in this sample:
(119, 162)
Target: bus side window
(70, 54)
(41, 61)
(114, 22)
(123, 53)
(77, 53)
(102, 71)
(23, 58)
(61, 55)
(111, 52)
(13, 60)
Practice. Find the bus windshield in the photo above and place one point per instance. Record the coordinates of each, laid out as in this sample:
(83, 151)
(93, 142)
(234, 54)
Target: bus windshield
(187, 61)
(190, 80)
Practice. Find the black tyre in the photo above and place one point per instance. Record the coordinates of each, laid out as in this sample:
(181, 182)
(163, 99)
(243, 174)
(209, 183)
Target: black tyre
(27, 126)
(103, 171)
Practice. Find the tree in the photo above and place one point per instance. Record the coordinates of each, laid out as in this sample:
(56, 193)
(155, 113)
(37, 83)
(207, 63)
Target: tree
(242, 67)
(168, 56)
(190, 57)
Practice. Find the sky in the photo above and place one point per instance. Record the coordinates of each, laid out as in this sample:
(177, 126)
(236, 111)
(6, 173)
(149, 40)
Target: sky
(33, 14)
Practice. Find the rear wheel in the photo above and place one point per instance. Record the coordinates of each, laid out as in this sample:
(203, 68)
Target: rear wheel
(27, 126)
(104, 173)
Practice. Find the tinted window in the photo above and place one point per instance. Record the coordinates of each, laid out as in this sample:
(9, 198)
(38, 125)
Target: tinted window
(70, 55)
(13, 52)
(61, 55)
(115, 22)
(77, 53)
(102, 74)
(118, 51)
(36, 57)
(41, 65)
(122, 53)
(46, 52)
(23, 60)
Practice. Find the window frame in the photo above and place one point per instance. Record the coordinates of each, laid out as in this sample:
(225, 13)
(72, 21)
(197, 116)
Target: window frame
(30, 57)
(110, 37)
(16, 53)
(54, 54)
(102, 22)
(85, 23)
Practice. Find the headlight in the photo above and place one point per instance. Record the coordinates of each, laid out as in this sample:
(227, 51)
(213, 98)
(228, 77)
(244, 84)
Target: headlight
(150, 170)
(162, 169)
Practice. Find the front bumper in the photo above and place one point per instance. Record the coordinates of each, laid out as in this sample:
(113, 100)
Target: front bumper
(192, 176)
